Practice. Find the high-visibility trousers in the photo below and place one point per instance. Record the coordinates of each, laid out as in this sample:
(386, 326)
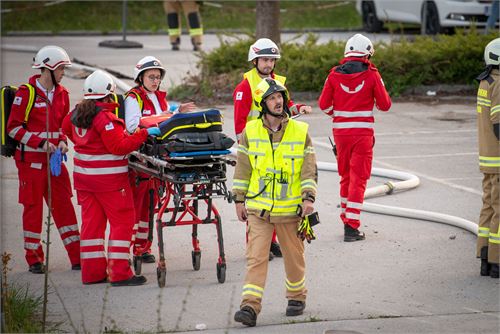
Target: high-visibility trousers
(33, 190)
(259, 232)
(192, 13)
(488, 232)
(98, 208)
(354, 161)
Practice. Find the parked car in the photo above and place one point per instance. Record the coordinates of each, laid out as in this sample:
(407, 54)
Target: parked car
(438, 15)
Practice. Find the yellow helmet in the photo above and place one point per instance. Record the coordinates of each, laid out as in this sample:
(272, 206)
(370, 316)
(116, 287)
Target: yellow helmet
(267, 87)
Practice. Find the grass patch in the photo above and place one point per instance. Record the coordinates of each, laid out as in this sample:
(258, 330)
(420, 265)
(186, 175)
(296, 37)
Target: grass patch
(106, 16)
(22, 310)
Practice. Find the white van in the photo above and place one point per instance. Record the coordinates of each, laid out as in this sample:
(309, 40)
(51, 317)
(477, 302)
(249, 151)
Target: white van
(438, 15)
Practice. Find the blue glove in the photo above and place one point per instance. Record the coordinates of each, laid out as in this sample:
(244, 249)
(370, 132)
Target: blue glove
(173, 106)
(56, 161)
(154, 131)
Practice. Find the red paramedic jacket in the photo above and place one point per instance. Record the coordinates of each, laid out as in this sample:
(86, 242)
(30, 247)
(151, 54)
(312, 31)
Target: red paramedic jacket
(101, 151)
(349, 97)
(33, 135)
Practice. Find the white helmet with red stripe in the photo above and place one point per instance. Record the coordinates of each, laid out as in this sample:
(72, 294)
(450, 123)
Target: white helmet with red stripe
(148, 63)
(263, 47)
(51, 57)
(359, 46)
(98, 85)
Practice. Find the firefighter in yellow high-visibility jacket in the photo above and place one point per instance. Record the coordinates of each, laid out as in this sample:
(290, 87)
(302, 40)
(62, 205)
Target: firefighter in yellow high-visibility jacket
(488, 121)
(275, 173)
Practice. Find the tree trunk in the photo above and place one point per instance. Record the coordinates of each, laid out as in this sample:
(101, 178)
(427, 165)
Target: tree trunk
(268, 20)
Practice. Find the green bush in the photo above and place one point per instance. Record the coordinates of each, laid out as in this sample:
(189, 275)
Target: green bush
(426, 60)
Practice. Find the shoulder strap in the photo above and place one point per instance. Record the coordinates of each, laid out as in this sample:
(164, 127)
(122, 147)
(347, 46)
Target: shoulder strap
(31, 101)
(120, 110)
(137, 97)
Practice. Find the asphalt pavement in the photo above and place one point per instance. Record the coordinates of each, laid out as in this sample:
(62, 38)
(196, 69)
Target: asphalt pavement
(408, 276)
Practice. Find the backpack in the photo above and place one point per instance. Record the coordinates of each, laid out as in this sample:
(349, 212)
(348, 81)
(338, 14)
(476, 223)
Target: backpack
(7, 96)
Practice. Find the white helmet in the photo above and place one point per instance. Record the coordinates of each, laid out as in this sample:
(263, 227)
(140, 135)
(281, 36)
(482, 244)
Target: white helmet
(358, 46)
(492, 52)
(51, 57)
(148, 63)
(263, 47)
(98, 85)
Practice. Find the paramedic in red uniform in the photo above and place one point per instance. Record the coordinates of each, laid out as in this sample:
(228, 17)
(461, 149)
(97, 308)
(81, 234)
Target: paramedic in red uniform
(31, 157)
(349, 94)
(101, 181)
(146, 99)
(263, 55)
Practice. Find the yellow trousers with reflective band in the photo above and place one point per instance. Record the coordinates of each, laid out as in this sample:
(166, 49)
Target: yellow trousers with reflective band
(175, 7)
(488, 233)
(260, 232)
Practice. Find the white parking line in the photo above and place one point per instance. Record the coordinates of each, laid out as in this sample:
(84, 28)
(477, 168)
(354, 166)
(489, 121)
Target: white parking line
(427, 155)
(421, 175)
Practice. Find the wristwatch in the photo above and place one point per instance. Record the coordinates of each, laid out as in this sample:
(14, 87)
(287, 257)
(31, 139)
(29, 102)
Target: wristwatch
(308, 196)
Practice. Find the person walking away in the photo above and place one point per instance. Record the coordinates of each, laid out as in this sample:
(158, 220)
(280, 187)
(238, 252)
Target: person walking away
(275, 173)
(488, 124)
(35, 140)
(101, 181)
(263, 54)
(191, 11)
(350, 91)
(146, 99)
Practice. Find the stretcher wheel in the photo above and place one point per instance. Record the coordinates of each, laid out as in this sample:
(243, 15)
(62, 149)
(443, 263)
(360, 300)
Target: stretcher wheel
(221, 272)
(196, 258)
(137, 265)
(162, 276)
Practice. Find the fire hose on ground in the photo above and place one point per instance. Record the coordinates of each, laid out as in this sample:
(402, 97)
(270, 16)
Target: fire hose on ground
(406, 181)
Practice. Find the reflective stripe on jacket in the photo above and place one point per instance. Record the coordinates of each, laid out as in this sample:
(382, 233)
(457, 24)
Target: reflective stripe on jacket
(488, 114)
(275, 183)
(254, 79)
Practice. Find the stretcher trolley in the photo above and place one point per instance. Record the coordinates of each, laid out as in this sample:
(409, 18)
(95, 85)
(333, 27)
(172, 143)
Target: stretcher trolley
(188, 166)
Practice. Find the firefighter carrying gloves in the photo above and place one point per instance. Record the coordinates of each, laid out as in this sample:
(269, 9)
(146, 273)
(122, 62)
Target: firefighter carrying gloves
(263, 54)
(275, 172)
(101, 182)
(349, 94)
(488, 119)
(30, 130)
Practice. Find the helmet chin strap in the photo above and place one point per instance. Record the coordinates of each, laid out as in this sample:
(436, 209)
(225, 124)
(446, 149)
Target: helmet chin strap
(54, 82)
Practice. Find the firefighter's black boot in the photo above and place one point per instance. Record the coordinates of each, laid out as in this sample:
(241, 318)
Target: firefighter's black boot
(246, 316)
(352, 234)
(295, 307)
(176, 44)
(37, 268)
(276, 249)
(485, 266)
(494, 270)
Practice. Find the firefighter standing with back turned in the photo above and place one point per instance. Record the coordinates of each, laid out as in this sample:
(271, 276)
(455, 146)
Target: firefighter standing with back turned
(275, 173)
(31, 157)
(349, 94)
(263, 54)
(488, 124)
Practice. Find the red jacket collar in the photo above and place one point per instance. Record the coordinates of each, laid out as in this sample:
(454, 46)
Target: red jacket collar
(32, 81)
